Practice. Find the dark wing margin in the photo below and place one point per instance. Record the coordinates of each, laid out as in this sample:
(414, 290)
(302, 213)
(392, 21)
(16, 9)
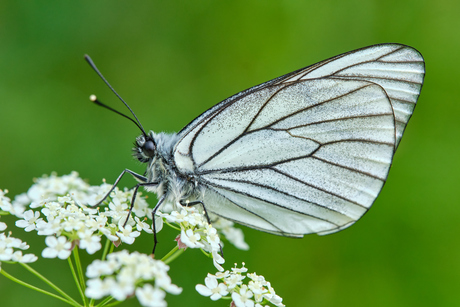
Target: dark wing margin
(307, 152)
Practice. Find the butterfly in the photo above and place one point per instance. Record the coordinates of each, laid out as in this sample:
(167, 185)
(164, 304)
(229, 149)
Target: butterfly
(307, 152)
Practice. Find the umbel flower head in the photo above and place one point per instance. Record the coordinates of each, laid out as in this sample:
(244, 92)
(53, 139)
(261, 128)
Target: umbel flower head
(62, 210)
(256, 292)
(10, 247)
(123, 274)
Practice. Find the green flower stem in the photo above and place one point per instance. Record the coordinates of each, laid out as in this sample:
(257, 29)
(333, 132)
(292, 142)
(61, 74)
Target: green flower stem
(106, 249)
(27, 267)
(114, 304)
(75, 277)
(106, 301)
(81, 275)
(206, 253)
(172, 226)
(67, 300)
(172, 255)
(112, 247)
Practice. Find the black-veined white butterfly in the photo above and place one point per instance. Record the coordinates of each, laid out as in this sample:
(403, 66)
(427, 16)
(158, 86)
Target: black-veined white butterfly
(307, 152)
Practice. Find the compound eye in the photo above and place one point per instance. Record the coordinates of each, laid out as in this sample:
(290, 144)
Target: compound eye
(149, 148)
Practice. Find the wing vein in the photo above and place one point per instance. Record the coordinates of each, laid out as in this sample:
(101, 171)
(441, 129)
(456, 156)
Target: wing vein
(318, 188)
(332, 120)
(262, 218)
(349, 168)
(276, 204)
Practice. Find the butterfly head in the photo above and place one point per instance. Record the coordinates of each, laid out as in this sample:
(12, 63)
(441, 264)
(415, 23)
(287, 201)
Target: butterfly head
(144, 148)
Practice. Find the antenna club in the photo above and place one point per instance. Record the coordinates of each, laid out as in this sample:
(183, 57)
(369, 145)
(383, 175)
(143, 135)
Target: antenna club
(94, 99)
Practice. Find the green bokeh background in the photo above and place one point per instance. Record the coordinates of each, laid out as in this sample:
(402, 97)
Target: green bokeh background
(172, 60)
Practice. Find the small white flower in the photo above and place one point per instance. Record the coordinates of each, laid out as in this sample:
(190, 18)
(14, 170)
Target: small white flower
(65, 199)
(2, 226)
(98, 288)
(212, 237)
(243, 298)
(19, 257)
(98, 223)
(4, 200)
(141, 207)
(51, 209)
(18, 206)
(141, 225)
(30, 218)
(195, 218)
(127, 235)
(151, 297)
(256, 285)
(191, 239)
(73, 223)
(158, 224)
(234, 280)
(118, 208)
(57, 247)
(89, 241)
(6, 253)
(217, 259)
(110, 232)
(222, 275)
(9, 241)
(100, 268)
(164, 281)
(53, 226)
(276, 300)
(212, 288)
(272, 296)
(124, 286)
(239, 270)
(176, 217)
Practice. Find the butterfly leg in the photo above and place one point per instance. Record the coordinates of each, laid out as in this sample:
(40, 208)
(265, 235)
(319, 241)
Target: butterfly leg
(136, 176)
(136, 188)
(155, 241)
(160, 201)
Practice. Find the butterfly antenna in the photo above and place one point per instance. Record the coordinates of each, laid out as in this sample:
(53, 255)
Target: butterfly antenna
(93, 98)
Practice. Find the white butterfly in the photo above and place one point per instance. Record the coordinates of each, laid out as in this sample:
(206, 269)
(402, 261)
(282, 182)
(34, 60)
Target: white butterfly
(307, 152)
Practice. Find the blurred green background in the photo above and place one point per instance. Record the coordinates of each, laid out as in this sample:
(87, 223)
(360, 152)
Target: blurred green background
(172, 60)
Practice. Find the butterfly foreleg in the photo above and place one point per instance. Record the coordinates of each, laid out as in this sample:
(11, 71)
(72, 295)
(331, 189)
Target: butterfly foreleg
(155, 241)
(187, 203)
(160, 201)
(136, 176)
(136, 188)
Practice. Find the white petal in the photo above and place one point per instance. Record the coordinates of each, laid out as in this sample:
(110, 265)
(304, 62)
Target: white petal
(203, 290)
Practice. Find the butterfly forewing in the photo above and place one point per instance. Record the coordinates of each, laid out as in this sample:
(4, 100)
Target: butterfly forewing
(307, 152)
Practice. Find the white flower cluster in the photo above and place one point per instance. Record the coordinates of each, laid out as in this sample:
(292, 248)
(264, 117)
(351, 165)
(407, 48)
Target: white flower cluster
(124, 274)
(8, 244)
(257, 292)
(197, 233)
(58, 210)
